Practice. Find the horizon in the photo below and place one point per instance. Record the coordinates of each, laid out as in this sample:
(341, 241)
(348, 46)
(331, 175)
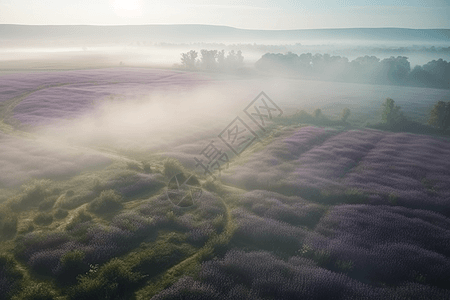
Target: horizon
(226, 26)
(264, 15)
(234, 149)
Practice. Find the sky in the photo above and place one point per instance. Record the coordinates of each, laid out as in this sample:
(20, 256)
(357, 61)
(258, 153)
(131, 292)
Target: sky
(247, 14)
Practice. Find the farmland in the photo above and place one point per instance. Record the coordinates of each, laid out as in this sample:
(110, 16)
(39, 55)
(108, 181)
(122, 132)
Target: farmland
(307, 211)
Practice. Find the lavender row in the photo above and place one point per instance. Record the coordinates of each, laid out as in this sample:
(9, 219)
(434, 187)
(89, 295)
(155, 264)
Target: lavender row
(314, 163)
(385, 244)
(100, 243)
(260, 275)
(13, 85)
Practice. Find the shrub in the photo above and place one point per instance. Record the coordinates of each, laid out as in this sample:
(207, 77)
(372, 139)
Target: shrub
(43, 219)
(303, 116)
(33, 242)
(88, 288)
(391, 113)
(161, 256)
(146, 167)
(172, 167)
(72, 264)
(9, 225)
(81, 217)
(132, 165)
(321, 257)
(344, 265)
(34, 193)
(26, 227)
(47, 203)
(10, 276)
(134, 227)
(440, 115)
(45, 262)
(97, 186)
(70, 200)
(317, 113)
(60, 213)
(36, 291)
(114, 280)
(219, 222)
(108, 201)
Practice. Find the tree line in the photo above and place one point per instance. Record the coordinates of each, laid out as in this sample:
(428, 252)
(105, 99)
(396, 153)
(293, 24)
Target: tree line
(212, 60)
(367, 69)
(393, 118)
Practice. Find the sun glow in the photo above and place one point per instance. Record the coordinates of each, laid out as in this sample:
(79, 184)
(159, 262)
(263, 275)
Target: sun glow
(127, 8)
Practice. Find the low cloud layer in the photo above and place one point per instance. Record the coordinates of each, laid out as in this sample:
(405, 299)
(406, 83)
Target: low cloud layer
(25, 159)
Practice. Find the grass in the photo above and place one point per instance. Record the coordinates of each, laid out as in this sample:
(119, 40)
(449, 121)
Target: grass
(160, 264)
(108, 201)
(216, 245)
(12, 276)
(43, 219)
(172, 167)
(8, 224)
(114, 280)
(159, 260)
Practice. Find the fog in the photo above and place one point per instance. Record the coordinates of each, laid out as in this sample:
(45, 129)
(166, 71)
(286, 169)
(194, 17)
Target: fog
(155, 119)
(149, 54)
(329, 155)
(171, 112)
(180, 121)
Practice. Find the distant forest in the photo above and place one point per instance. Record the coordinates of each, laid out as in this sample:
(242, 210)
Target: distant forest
(298, 47)
(367, 69)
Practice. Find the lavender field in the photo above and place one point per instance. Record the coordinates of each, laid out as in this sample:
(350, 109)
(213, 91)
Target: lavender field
(398, 168)
(305, 212)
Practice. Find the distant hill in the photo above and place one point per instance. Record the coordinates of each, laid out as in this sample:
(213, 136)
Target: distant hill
(89, 34)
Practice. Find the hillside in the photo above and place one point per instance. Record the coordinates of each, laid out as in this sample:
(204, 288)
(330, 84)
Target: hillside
(210, 33)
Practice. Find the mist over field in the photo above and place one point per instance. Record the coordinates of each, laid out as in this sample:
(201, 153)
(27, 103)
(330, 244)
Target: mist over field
(210, 162)
(48, 47)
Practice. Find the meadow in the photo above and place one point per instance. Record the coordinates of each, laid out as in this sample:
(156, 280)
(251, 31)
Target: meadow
(306, 212)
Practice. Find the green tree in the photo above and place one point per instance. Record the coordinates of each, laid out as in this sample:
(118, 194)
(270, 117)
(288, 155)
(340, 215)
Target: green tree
(235, 60)
(108, 201)
(317, 113)
(221, 59)
(172, 167)
(36, 291)
(208, 59)
(391, 113)
(345, 114)
(72, 264)
(440, 115)
(11, 276)
(189, 59)
(114, 280)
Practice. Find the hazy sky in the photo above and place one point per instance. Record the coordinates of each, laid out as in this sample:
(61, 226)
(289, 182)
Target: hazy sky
(264, 14)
